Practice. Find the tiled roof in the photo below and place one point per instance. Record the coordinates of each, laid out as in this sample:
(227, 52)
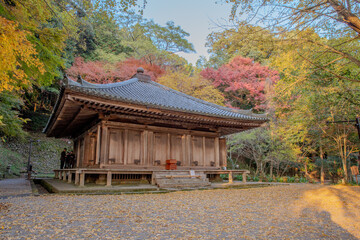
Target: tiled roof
(141, 90)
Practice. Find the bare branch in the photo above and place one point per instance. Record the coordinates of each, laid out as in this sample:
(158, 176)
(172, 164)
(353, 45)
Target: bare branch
(328, 71)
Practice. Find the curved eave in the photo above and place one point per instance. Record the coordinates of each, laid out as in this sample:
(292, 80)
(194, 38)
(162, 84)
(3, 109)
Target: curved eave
(55, 111)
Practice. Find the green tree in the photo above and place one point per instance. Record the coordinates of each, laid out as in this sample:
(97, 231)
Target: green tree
(10, 122)
(332, 19)
(154, 43)
(241, 40)
(306, 98)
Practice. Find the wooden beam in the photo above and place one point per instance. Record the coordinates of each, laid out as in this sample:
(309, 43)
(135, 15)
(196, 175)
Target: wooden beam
(158, 129)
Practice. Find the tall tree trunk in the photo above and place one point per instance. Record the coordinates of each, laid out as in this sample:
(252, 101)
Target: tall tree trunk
(257, 168)
(271, 169)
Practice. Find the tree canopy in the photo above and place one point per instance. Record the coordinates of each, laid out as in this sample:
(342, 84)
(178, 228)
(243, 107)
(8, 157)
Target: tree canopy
(243, 82)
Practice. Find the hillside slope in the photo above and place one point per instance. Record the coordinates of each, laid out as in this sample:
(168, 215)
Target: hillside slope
(45, 154)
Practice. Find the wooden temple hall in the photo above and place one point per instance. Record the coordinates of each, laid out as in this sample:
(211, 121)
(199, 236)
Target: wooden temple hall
(141, 131)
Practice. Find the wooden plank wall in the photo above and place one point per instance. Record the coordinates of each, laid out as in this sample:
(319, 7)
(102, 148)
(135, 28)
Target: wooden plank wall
(120, 144)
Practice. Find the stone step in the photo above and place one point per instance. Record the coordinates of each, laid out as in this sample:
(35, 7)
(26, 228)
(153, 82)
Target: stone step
(183, 185)
(181, 179)
(159, 182)
(164, 173)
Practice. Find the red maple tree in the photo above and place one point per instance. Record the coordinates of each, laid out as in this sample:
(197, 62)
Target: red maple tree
(104, 72)
(243, 82)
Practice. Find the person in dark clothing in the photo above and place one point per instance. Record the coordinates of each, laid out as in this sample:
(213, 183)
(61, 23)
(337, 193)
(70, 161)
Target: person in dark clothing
(71, 159)
(63, 158)
(67, 160)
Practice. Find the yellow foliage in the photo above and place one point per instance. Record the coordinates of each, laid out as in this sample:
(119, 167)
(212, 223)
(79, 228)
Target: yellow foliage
(193, 85)
(15, 51)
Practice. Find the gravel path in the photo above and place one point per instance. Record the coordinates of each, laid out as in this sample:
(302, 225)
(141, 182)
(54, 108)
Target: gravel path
(298, 211)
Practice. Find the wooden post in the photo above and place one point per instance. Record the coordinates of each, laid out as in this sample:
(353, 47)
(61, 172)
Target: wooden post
(244, 177)
(69, 177)
(78, 153)
(126, 133)
(64, 176)
(222, 144)
(82, 179)
(77, 178)
(183, 150)
(60, 174)
(56, 174)
(86, 149)
(188, 150)
(203, 151)
(108, 179)
(103, 145)
(144, 147)
(150, 148)
(153, 178)
(168, 147)
(230, 177)
(217, 152)
(98, 149)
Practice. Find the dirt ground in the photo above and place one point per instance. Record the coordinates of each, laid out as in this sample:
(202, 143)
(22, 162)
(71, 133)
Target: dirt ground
(298, 211)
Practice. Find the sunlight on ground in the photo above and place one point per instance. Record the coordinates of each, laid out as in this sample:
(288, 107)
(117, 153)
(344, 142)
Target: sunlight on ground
(340, 203)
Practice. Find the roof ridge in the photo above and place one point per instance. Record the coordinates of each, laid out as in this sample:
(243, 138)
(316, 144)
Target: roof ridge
(87, 84)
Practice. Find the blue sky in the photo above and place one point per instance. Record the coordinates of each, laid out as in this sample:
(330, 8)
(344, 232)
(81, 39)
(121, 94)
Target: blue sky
(196, 17)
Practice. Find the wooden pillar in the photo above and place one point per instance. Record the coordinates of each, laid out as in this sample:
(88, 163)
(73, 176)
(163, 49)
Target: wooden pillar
(78, 154)
(230, 177)
(98, 139)
(64, 176)
(82, 179)
(86, 149)
(56, 174)
(69, 176)
(217, 152)
(108, 179)
(153, 178)
(77, 178)
(183, 150)
(145, 147)
(126, 134)
(60, 174)
(244, 177)
(168, 147)
(188, 150)
(203, 150)
(104, 144)
(150, 148)
(222, 143)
